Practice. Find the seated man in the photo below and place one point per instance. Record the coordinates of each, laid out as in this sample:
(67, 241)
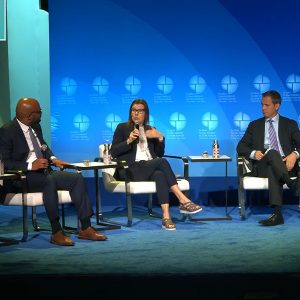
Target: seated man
(272, 143)
(23, 148)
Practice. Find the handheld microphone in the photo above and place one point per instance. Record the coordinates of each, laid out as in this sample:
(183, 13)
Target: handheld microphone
(137, 126)
(44, 148)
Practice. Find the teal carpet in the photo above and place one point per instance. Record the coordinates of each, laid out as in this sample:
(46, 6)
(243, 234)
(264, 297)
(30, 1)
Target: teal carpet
(194, 248)
(202, 260)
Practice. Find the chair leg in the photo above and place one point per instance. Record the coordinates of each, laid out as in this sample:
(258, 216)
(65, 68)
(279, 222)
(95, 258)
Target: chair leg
(25, 225)
(241, 196)
(63, 223)
(34, 219)
(150, 212)
(129, 209)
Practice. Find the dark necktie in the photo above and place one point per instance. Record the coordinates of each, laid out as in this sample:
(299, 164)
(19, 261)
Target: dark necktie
(272, 136)
(35, 144)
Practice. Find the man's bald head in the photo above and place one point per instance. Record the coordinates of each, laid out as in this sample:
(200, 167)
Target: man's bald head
(28, 111)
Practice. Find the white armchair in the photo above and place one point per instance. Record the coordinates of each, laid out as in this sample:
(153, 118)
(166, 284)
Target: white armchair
(138, 187)
(248, 183)
(32, 200)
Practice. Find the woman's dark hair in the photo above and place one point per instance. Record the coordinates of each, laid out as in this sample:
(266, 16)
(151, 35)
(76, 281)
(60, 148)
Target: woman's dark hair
(146, 108)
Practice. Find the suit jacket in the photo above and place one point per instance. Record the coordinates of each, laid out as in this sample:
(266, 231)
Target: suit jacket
(14, 148)
(253, 139)
(122, 151)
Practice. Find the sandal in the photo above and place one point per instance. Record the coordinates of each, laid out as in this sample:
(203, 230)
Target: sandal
(189, 208)
(168, 224)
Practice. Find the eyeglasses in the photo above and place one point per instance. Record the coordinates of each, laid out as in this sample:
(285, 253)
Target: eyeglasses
(138, 111)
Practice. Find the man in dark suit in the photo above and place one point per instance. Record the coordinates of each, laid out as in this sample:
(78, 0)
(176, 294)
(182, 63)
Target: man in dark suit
(23, 148)
(272, 143)
(142, 146)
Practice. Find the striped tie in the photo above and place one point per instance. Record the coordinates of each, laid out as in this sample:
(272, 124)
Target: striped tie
(272, 136)
(35, 144)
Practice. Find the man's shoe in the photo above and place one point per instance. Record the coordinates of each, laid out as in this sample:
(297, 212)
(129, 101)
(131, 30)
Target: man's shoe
(91, 234)
(273, 220)
(59, 238)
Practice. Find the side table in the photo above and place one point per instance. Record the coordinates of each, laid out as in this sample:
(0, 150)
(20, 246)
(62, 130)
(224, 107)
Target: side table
(224, 159)
(96, 166)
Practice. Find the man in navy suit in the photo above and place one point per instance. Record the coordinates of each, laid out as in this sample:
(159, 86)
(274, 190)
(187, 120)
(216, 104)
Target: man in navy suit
(272, 143)
(21, 141)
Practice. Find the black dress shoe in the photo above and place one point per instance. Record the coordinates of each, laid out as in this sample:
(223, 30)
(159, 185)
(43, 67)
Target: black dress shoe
(273, 220)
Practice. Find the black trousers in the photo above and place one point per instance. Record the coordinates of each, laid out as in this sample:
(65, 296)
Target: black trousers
(158, 170)
(60, 180)
(272, 167)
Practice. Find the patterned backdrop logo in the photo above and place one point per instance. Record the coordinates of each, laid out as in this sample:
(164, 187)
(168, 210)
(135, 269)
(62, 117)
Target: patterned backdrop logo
(133, 85)
(197, 84)
(229, 84)
(68, 86)
(241, 120)
(100, 85)
(261, 83)
(165, 84)
(111, 121)
(210, 121)
(54, 124)
(81, 122)
(293, 83)
(177, 120)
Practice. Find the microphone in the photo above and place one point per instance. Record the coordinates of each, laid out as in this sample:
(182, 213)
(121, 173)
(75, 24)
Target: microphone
(44, 148)
(137, 126)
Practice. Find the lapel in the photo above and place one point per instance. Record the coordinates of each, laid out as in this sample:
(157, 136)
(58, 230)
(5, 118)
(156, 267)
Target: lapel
(20, 134)
(261, 132)
(281, 130)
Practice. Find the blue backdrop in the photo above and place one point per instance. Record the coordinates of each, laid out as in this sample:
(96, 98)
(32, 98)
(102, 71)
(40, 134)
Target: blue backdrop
(201, 65)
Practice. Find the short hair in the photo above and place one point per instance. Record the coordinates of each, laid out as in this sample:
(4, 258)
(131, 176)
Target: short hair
(146, 108)
(275, 96)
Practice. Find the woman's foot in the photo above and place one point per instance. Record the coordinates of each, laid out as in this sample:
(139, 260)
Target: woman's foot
(168, 224)
(189, 208)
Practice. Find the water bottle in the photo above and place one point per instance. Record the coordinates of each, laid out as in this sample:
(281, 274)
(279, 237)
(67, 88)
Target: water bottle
(106, 154)
(215, 149)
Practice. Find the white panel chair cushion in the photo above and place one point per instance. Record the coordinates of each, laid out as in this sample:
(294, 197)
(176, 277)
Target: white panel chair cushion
(257, 183)
(34, 199)
(139, 187)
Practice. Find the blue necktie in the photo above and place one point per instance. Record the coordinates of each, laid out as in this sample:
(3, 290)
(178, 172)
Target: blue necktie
(272, 136)
(35, 144)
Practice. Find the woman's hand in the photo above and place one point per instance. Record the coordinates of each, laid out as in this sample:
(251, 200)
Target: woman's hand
(133, 136)
(153, 133)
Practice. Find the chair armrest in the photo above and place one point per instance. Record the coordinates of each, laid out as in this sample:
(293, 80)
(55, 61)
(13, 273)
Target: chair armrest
(22, 178)
(22, 175)
(185, 164)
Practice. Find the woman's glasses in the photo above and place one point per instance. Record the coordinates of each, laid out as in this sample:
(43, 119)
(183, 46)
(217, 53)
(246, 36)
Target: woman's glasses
(137, 111)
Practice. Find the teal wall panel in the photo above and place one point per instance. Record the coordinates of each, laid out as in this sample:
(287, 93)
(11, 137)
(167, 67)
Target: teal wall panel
(28, 56)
